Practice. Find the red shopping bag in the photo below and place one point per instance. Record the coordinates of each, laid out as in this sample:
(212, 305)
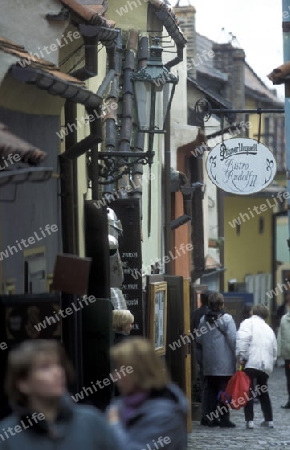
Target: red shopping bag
(237, 392)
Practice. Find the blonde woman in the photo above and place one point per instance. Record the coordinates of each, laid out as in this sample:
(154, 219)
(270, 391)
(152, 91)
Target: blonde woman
(152, 411)
(122, 324)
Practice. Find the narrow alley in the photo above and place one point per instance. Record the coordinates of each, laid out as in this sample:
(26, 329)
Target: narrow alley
(205, 438)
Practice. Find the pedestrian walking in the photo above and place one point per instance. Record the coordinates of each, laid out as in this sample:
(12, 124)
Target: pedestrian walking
(256, 350)
(151, 411)
(45, 416)
(122, 324)
(217, 337)
(284, 350)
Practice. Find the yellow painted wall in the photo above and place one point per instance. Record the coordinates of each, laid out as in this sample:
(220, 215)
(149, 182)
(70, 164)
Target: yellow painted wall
(133, 14)
(250, 252)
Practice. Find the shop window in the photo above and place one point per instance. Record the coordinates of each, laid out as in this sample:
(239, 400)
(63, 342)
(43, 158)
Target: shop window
(35, 271)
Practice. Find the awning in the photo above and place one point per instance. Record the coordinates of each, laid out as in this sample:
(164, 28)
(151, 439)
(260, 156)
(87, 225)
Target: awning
(22, 175)
(212, 267)
(13, 151)
(47, 76)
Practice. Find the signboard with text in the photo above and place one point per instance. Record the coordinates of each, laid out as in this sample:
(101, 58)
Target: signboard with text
(241, 166)
(128, 212)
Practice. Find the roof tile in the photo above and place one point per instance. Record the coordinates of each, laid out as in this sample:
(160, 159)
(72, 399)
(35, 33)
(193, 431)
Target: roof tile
(90, 12)
(206, 66)
(29, 60)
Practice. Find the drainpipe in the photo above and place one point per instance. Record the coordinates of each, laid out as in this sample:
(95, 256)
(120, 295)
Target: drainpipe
(140, 137)
(168, 241)
(167, 17)
(90, 68)
(127, 107)
(286, 48)
(221, 234)
(71, 327)
(110, 142)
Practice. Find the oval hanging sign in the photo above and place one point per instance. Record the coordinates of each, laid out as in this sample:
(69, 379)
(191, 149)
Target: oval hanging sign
(241, 166)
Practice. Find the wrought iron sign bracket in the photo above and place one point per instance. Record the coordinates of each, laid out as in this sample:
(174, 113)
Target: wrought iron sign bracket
(204, 111)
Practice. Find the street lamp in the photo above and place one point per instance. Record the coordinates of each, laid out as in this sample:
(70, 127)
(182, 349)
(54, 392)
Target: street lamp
(154, 88)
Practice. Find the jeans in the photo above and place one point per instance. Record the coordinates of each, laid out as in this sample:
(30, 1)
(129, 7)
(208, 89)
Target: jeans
(261, 382)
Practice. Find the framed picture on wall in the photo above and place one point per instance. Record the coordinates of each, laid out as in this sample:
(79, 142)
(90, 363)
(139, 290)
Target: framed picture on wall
(157, 315)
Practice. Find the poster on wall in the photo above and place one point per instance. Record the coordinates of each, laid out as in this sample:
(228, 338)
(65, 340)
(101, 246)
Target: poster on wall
(158, 316)
(241, 166)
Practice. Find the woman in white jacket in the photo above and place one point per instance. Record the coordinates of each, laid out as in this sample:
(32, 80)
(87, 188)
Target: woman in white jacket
(256, 349)
(284, 349)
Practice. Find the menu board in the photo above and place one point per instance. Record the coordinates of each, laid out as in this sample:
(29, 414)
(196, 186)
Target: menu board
(127, 211)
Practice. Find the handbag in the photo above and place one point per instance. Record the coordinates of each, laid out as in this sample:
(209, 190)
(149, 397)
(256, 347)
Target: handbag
(237, 392)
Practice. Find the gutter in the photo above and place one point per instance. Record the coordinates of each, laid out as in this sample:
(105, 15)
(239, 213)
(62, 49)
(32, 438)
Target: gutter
(166, 16)
(170, 22)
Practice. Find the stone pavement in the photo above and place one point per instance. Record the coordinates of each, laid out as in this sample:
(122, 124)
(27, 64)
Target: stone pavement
(239, 438)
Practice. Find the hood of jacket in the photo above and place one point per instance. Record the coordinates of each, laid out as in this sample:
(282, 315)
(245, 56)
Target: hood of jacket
(212, 316)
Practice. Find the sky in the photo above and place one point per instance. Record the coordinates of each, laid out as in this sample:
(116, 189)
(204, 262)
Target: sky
(257, 25)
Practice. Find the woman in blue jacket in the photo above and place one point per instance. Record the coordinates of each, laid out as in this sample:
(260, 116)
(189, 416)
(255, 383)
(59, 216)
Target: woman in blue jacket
(45, 416)
(151, 412)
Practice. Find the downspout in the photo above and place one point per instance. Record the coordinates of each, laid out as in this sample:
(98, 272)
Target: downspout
(286, 54)
(110, 143)
(221, 233)
(90, 68)
(164, 14)
(71, 328)
(167, 17)
(127, 106)
(140, 137)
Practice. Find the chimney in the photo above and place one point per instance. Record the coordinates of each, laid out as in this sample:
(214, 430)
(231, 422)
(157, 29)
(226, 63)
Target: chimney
(231, 61)
(186, 18)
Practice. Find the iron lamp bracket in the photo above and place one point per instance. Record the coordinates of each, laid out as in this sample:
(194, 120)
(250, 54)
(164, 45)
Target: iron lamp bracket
(117, 164)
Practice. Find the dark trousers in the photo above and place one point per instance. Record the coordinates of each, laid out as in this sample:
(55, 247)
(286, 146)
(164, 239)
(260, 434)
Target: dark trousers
(261, 381)
(287, 373)
(213, 385)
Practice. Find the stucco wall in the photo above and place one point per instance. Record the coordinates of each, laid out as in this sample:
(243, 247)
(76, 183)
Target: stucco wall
(250, 252)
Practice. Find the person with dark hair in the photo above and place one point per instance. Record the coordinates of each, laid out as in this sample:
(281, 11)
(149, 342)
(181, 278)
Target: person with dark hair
(217, 337)
(256, 350)
(196, 315)
(44, 414)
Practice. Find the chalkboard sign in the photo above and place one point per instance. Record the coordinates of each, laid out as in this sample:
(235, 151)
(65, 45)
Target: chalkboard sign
(127, 211)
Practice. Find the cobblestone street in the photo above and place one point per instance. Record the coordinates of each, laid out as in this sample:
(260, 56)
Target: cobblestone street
(205, 438)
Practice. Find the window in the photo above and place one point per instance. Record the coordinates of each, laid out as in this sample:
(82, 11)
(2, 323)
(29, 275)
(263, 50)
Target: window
(261, 225)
